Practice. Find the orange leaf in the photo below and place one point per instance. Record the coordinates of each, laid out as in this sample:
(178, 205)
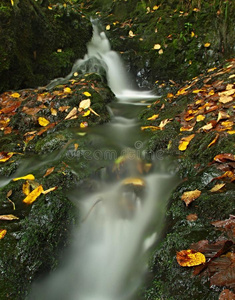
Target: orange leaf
(190, 196)
(49, 171)
(33, 195)
(224, 157)
(214, 140)
(2, 233)
(190, 258)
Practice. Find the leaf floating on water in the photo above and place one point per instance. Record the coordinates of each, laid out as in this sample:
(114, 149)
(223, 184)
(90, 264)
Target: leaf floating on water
(4, 156)
(2, 233)
(43, 122)
(190, 196)
(8, 217)
(134, 181)
(26, 177)
(183, 144)
(190, 258)
(33, 195)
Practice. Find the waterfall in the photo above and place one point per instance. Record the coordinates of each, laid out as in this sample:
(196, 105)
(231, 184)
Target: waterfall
(122, 218)
(100, 58)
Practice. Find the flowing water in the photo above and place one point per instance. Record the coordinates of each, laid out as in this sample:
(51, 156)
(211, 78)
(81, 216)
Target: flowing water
(122, 217)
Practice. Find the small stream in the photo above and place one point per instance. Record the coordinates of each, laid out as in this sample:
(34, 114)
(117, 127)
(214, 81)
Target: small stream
(121, 219)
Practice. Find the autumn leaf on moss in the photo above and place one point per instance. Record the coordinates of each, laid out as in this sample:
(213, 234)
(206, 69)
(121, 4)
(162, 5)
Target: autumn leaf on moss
(84, 104)
(8, 217)
(4, 156)
(2, 233)
(26, 188)
(72, 114)
(67, 90)
(83, 125)
(86, 113)
(224, 157)
(190, 258)
(15, 95)
(183, 144)
(153, 117)
(87, 94)
(43, 122)
(49, 171)
(33, 195)
(190, 196)
(217, 187)
(26, 177)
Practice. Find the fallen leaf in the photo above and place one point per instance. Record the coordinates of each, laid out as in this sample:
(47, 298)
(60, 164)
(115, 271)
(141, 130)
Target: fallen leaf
(200, 118)
(2, 233)
(207, 127)
(33, 195)
(190, 258)
(108, 27)
(31, 111)
(26, 188)
(190, 196)
(53, 111)
(87, 94)
(86, 113)
(153, 128)
(224, 157)
(192, 217)
(15, 95)
(214, 140)
(50, 190)
(72, 114)
(136, 181)
(84, 104)
(164, 122)
(4, 156)
(8, 217)
(217, 187)
(43, 122)
(225, 99)
(157, 46)
(26, 177)
(207, 45)
(67, 90)
(83, 125)
(183, 143)
(226, 295)
(95, 113)
(49, 171)
(131, 34)
(222, 115)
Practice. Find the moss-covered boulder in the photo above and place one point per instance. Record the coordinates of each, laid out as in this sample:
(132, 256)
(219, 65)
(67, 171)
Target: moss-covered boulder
(39, 41)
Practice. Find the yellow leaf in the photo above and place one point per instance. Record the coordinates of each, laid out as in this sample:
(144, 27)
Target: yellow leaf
(160, 51)
(86, 113)
(225, 99)
(196, 91)
(8, 217)
(131, 34)
(200, 118)
(190, 196)
(2, 233)
(87, 94)
(53, 111)
(154, 117)
(83, 125)
(4, 156)
(156, 7)
(190, 258)
(192, 34)
(26, 177)
(164, 122)
(207, 45)
(217, 187)
(133, 181)
(183, 144)
(75, 74)
(26, 188)
(76, 146)
(49, 7)
(67, 90)
(12, 2)
(214, 140)
(15, 95)
(157, 46)
(84, 104)
(108, 27)
(150, 127)
(43, 122)
(231, 132)
(33, 195)
(206, 127)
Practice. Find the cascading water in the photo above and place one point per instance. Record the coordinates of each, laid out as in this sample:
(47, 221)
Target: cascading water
(121, 219)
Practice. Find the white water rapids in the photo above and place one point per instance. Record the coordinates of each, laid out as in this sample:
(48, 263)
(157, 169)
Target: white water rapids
(108, 257)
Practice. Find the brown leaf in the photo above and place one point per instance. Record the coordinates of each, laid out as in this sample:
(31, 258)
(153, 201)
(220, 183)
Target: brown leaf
(192, 217)
(226, 295)
(224, 157)
(49, 171)
(190, 196)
